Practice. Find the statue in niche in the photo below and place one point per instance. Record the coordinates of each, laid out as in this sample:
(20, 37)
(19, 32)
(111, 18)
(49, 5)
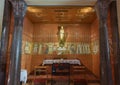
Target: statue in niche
(61, 36)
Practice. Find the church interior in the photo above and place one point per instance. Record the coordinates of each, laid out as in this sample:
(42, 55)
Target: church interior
(40, 41)
(61, 45)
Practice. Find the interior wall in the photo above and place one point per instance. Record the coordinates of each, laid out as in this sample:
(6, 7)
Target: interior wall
(33, 32)
(42, 31)
(95, 38)
(95, 41)
(27, 36)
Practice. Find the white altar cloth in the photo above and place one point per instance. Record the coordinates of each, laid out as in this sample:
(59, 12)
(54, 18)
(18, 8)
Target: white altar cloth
(23, 75)
(70, 61)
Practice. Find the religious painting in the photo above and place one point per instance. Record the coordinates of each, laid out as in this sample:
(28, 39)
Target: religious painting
(45, 48)
(86, 48)
(55, 47)
(83, 48)
(72, 48)
(67, 46)
(40, 48)
(79, 48)
(35, 48)
(95, 47)
(28, 47)
(50, 47)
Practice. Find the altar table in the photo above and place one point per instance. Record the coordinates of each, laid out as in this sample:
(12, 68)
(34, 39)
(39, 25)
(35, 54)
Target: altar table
(70, 61)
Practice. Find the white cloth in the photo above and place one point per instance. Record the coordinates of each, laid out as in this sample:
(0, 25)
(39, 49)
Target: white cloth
(23, 75)
(70, 61)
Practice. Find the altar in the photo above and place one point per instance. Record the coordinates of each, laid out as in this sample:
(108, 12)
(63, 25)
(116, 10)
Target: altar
(70, 61)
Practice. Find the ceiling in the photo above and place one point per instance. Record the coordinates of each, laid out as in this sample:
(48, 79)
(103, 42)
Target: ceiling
(60, 2)
(61, 14)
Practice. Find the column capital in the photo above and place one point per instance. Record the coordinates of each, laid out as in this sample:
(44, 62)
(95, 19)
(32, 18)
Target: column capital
(102, 7)
(19, 8)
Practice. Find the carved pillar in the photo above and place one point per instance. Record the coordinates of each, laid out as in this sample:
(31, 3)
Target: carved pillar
(4, 42)
(105, 64)
(115, 41)
(19, 9)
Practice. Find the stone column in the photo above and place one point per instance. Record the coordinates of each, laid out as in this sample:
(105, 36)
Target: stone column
(19, 10)
(115, 41)
(4, 42)
(105, 64)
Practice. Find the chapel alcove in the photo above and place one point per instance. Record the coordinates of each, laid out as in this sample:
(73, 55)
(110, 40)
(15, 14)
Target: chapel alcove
(40, 40)
(63, 44)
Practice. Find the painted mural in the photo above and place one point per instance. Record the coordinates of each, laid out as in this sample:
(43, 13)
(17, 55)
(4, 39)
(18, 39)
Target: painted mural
(54, 48)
